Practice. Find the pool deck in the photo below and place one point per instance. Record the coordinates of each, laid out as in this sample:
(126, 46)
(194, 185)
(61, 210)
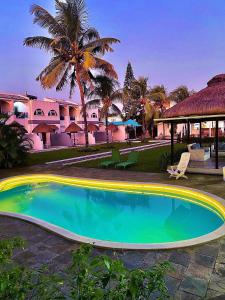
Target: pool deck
(200, 270)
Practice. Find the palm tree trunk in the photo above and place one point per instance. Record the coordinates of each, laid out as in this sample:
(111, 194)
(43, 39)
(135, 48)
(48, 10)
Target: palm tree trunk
(107, 127)
(84, 109)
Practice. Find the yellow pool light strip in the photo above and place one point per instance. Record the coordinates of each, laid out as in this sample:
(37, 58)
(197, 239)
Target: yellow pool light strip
(132, 187)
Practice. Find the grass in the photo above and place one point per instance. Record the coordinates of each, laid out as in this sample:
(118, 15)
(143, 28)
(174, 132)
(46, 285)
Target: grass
(43, 157)
(149, 160)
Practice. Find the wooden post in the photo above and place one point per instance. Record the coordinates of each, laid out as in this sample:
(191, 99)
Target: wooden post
(200, 135)
(216, 145)
(172, 143)
(188, 132)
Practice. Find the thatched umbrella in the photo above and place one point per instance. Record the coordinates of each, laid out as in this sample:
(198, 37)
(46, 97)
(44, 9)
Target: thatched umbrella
(43, 128)
(73, 128)
(209, 101)
(112, 127)
(54, 127)
(92, 127)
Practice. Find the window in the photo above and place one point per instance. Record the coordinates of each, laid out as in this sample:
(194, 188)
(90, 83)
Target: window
(39, 112)
(52, 112)
(94, 116)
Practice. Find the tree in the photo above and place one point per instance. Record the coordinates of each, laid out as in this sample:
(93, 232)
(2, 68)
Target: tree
(158, 94)
(129, 98)
(129, 77)
(141, 89)
(180, 93)
(76, 48)
(107, 93)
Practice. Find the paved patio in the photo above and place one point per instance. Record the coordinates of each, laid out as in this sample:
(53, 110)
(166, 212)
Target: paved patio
(200, 270)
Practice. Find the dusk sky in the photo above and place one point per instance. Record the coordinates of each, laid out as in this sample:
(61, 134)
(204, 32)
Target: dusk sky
(172, 42)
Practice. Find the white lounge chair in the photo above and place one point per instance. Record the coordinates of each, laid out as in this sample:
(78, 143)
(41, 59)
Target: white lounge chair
(180, 169)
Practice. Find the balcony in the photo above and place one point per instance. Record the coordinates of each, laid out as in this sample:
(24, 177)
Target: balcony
(72, 118)
(21, 115)
(62, 118)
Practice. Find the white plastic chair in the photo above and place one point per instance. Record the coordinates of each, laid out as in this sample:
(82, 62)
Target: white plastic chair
(180, 169)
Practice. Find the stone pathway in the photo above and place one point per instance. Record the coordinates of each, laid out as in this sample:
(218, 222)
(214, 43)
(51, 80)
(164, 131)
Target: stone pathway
(199, 271)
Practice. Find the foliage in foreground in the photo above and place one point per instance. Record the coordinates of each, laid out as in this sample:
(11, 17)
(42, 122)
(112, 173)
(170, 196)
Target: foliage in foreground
(14, 145)
(89, 277)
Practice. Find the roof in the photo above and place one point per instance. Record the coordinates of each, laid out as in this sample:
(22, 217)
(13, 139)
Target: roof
(209, 101)
(42, 128)
(73, 128)
(92, 127)
(5, 96)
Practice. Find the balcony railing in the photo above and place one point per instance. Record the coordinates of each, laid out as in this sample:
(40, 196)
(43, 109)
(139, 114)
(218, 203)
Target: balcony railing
(72, 118)
(62, 118)
(21, 115)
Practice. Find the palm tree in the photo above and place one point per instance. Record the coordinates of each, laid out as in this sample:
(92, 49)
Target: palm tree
(140, 88)
(159, 95)
(107, 93)
(76, 48)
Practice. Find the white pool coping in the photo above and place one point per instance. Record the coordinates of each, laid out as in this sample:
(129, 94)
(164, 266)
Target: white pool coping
(216, 234)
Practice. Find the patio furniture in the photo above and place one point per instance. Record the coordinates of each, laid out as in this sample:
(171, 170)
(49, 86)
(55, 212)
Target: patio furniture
(115, 158)
(179, 170)
(132, 160)
(198, 153)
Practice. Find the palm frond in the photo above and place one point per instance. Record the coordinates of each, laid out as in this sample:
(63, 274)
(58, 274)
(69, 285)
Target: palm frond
(44, 19)
(64, 80)
(50, 78)
(106, 67)
(101, 45)
(41, 42)
(95, 103)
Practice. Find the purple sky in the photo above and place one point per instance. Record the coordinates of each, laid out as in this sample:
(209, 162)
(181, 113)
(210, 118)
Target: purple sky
(172, 42)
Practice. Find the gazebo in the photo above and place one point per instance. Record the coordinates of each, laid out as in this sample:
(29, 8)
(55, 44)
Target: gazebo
(206, 105)
(73, 128)
(43, 129)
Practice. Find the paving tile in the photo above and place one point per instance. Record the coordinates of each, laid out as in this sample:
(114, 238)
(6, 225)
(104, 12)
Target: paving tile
(178, 271)
(211, 294)
(209, 250)
(203, 260)
(219, 270)
(172, 284)
(217, 284)
(180, 295)
(180, 258)
(194, 285)
(221, 258)
(199, 271)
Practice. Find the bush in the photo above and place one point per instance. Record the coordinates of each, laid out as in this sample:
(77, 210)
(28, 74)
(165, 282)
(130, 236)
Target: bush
(89, 277)
(14, 145)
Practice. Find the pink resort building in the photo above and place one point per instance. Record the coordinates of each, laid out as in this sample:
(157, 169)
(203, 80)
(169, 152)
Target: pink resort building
(55, 123)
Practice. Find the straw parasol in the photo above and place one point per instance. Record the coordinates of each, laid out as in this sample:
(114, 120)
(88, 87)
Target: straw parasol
(209, 101)
(43, 128)
(54, 127)
(92, 127)
(73, 128)
(112, 127)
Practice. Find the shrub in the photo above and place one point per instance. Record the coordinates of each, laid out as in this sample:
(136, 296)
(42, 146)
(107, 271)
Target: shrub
(89, 277)
(166, 157)
(14, 145)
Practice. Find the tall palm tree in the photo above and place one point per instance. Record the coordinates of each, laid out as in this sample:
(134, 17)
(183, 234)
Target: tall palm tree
(106, 94)
(76, 48)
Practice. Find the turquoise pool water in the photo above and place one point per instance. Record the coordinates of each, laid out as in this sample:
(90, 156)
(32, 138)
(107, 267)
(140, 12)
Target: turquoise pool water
(111, 215)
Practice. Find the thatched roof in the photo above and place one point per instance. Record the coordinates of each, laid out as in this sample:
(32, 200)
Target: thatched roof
(42, 128)
(92, 127)
(209, 101)
(112, 127)
(73, 128)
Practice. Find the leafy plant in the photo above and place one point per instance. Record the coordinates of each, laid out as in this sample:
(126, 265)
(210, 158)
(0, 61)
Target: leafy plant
(14, 145)
(89, 277)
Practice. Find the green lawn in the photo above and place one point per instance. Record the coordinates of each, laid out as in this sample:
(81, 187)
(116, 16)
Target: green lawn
(43, 157)
(149, 160)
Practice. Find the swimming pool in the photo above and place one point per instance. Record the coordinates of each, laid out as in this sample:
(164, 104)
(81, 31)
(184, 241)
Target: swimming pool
(115, 214)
